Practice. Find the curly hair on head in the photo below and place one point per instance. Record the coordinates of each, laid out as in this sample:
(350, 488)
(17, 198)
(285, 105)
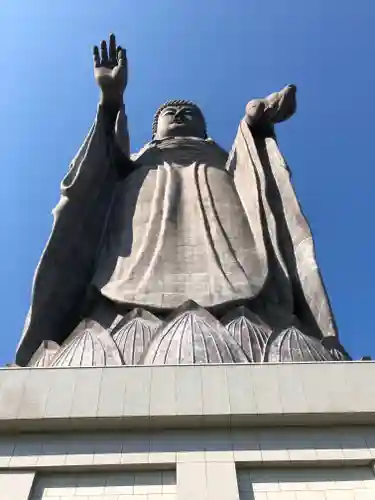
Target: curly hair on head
(175, 102)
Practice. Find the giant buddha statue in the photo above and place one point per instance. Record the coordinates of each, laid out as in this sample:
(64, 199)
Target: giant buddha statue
(181, 252)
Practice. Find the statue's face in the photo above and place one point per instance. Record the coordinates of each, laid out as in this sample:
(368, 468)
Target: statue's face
(180, 121)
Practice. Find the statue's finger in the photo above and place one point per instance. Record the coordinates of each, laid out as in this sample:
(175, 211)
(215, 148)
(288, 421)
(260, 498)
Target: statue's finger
(95, 53)
(285, 105)
(112, 48)
(291, 96)
(289, 89)
(103, 52)
(121, 56)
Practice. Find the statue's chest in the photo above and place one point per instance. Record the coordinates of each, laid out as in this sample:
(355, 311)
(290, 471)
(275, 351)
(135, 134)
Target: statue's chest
(192, 153)
(175, 187)
(181, 202)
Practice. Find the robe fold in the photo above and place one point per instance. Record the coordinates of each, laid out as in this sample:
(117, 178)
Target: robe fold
(185, 222)
(287, 227)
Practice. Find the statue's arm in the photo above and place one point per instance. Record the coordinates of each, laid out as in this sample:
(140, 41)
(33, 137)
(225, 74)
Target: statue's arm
(68, 261)
(107, 144)
(104, 152)
(294, 235)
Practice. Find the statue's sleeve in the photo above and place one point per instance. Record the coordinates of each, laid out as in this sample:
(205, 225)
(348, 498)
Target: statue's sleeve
(65, 269)
(297, 246)
(256, 163)
(104, 144)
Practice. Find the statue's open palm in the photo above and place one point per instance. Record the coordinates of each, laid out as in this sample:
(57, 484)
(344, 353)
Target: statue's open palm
(110, 70)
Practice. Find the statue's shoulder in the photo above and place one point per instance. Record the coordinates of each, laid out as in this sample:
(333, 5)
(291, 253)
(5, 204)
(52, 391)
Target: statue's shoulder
(146, 154)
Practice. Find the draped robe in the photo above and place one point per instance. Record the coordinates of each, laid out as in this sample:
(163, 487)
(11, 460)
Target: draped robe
(182, 221)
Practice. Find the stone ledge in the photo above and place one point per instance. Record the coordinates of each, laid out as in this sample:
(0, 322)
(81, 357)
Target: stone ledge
(314, 394)
(280, 447)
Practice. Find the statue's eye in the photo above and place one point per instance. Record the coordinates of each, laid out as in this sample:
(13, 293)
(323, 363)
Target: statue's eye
(169, 112)
(189, 117)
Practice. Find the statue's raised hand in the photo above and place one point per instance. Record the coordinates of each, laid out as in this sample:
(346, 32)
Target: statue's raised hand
(111, 71)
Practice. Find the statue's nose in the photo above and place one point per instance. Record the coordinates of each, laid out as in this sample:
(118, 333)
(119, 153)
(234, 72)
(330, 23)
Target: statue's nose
(179, 113)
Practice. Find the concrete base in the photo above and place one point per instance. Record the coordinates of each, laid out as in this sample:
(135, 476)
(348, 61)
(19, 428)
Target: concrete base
(267, 432)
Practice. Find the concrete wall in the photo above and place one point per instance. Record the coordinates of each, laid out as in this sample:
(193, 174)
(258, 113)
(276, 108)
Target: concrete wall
(355, 483)
(154, 485)
(163, 396)
(16, 485)
(206, 463)
(261, 432)
(259, 447)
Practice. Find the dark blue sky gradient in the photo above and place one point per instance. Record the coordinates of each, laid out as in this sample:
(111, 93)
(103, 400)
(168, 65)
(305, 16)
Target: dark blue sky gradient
(219, 53)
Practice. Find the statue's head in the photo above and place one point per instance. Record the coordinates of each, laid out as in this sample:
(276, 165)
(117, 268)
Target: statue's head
(179, 118)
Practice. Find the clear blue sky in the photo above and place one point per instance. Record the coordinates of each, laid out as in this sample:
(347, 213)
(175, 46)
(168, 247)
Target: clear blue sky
(219, 53)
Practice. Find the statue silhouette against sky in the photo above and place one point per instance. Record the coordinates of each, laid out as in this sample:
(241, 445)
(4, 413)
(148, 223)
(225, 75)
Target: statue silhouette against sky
(181, 252)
